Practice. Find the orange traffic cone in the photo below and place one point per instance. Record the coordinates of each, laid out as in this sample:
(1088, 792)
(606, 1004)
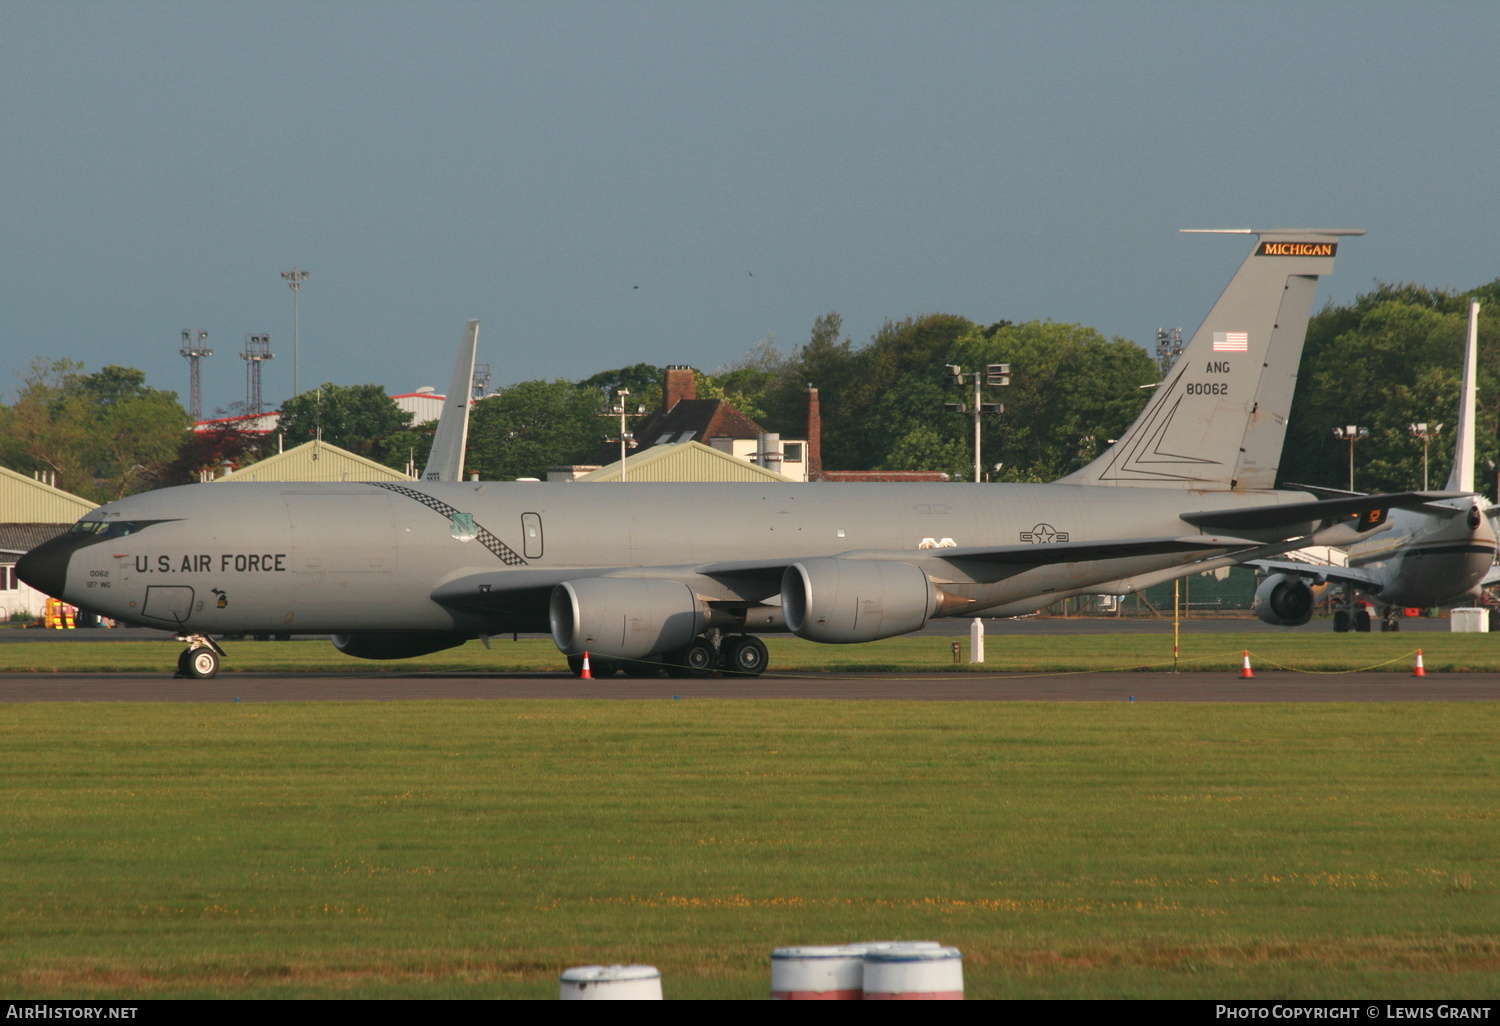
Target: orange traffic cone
(1245, 673)
(1420, 670)
(586, 674)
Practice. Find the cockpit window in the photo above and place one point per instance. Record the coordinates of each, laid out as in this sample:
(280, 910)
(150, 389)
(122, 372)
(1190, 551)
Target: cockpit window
(116, 529)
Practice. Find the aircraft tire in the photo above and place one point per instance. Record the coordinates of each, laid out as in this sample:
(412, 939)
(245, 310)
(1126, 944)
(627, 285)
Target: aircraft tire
(745, 656)
(1340, 621)
(1362, 621)
(202, 663)
(698, 659)
(182, 662)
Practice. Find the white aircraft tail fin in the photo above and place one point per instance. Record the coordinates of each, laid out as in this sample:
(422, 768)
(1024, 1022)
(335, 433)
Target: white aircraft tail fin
(446, 461)
(1218, 420)
(1461, 478)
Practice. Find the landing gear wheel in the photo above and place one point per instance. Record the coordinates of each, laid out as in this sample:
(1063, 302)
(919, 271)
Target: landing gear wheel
(745, 656)
(1362, 621)
(182, 662)
(1341, 621)
(200, 663)
(698, 659)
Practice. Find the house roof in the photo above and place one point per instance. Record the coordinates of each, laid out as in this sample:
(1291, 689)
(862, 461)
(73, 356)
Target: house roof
(684, 461)
(25, 500)
(315, 461)
(690, 420)
(16, 539)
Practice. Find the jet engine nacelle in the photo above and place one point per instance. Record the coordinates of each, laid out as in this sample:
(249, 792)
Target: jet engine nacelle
(844, 601)
(396, 645)
(623, 617)
(1283, 600)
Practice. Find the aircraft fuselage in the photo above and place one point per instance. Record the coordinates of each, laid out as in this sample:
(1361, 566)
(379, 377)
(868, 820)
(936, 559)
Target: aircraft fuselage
(329, 558)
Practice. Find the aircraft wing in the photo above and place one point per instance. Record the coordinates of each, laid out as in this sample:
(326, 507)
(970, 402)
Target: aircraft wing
(1023, 555)
(1361, 579)
(1370, 509)
(491, 590)
(521, 591)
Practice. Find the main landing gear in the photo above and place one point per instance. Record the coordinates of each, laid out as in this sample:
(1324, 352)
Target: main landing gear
(743, 655)
(200, 660)
(1352, 616)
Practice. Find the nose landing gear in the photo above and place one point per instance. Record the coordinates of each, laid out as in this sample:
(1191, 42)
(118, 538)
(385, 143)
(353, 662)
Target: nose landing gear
(200, 660)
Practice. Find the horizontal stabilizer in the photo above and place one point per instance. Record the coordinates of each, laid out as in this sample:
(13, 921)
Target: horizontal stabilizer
(1371, 509)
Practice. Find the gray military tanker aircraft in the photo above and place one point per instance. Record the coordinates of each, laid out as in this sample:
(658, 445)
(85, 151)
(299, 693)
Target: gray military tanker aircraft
(645, 575)
(1436, 555)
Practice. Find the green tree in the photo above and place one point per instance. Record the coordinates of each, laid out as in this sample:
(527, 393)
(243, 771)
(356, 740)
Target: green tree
(104, 434)
(359, 418)
(533, 425)
(643, 379)
(408, 446)
(1390, 358)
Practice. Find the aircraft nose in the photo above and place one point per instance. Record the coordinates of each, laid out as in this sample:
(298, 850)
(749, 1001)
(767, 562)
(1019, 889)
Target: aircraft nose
(45, 567)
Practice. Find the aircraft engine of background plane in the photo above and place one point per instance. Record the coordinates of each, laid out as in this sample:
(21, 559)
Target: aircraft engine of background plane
(1284, 600)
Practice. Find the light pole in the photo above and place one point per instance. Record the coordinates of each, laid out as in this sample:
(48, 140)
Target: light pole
(194, 350)
(1425, 433)
(619, 409)
(1351, 434)
(295, 278)
(996, 374)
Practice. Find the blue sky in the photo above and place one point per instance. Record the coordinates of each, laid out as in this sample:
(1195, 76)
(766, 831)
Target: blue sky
(609, 183)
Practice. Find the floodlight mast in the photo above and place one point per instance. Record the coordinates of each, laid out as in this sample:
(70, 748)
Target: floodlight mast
(257, 351)
(995, 374)
(1424, 433)
(295, 278)
(1351, 433)
(622, 411)
(194, 350)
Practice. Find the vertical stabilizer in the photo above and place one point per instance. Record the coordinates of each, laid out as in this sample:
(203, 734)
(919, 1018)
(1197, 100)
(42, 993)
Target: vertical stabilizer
(1461, 478)
(446, 461)
(1218, 420)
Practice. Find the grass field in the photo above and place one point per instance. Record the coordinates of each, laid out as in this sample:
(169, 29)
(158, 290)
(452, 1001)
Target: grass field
(474, 849)
(1312, 651)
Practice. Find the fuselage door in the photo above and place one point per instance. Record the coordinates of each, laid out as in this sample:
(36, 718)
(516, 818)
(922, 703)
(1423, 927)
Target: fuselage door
(531, 534)
(172, 604)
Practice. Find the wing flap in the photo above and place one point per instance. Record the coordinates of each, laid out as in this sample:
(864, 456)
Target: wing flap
(1370, 509)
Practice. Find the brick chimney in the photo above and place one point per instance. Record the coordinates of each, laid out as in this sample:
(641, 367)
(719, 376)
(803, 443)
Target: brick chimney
(814, 436)
(681, 384)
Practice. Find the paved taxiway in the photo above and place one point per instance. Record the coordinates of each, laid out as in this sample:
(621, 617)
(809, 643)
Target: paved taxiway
(956, 687)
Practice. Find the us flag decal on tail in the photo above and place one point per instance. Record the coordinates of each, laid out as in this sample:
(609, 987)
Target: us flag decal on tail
(1231, 341)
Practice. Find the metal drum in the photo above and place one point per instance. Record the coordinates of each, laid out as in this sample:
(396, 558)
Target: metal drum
(611, 983)
(914, 974)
